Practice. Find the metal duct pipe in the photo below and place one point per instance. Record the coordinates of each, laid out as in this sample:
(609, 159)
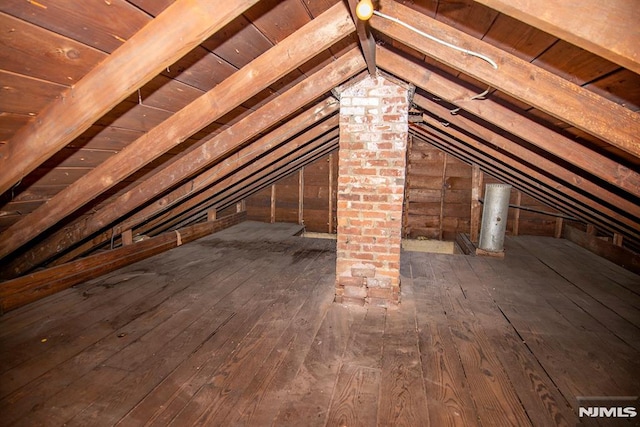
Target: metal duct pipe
(494, 217)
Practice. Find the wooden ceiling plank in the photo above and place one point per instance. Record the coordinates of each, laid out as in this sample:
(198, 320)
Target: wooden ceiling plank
(523, 176)
(228, 184)
(525, 156)
(32, 51)
(137, 61)
(532, 158)
(251, 152)
(516, 124)
(320, 33)
(249, 180)
(202, 157)
(615, 38)
(316, 85)
(528, 83)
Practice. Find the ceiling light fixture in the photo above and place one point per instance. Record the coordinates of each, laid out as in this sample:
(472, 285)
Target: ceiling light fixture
(364, 10)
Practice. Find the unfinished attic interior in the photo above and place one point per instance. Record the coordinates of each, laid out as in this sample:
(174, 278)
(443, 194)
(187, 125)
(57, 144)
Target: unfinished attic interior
(234, 213)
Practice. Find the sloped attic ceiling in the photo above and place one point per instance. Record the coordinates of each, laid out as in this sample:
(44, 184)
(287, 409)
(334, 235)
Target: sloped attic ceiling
(145, 113)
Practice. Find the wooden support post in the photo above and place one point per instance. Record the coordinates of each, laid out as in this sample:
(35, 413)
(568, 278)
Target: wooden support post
(476, 191)
(211, 214)
(127, 237)
(617, 239)
(301, 196)
(273, 203)
(443, 190)
(406, 230)
(559, 226)
(241, 206)
(330, 223)
(516, 218)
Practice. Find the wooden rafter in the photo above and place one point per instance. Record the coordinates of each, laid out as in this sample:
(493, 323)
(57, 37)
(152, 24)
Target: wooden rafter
(567, 197)
(204, 156)
(136, 62)
(528, 83)
(547, 165)
(506, 175)
(290, 53)
(498, 115)
(251, 184)
(233, 186)
(616, 38)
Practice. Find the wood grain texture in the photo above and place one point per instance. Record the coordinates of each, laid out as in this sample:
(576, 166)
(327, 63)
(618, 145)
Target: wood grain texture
(514, 76)
(322, 31)
(51, 133)
(615, 42)
(239, 328)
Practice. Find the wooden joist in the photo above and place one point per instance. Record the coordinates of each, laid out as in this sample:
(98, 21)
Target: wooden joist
(615, 38)
(607, 250)
(518, 174)
(532, 85)
(234, 185)
(547, 165)
(136, 62)
(204, 156)
(23, 290)
(290, 53)
(250, 179)
(498, 115)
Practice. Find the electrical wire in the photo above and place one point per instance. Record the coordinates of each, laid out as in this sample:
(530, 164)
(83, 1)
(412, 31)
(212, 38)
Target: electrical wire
(437, 40)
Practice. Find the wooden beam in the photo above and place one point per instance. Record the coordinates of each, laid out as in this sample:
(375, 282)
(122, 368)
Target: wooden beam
(516, 216)
(314, 86)
(406, 229)
(320, 33)
(287, 130)
(516, 124)
(532, 85)
(91, 223)
(330, 219)
(127, 237)
(273, 203)
(615, 35)
(133, 64)
(301, 196)
(617, 239)
(559, 226)
(365, 38)
(616, 254)
(519, 174)
(476, 207)
(23, 290)
(250, 186)
(539, 161)
(443, 190)
(283, 156)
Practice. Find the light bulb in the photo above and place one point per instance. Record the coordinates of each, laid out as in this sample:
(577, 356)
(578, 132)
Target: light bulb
(364, 10)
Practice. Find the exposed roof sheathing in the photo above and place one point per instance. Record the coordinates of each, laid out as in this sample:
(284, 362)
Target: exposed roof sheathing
(142, 114)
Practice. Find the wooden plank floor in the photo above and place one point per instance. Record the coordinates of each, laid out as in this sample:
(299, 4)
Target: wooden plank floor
(239, 329)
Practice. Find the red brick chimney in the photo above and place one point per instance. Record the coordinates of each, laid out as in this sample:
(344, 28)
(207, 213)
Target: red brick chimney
(372, 164)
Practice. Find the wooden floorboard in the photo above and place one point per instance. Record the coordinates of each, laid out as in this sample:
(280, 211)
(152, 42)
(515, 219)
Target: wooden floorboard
(239, 329)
